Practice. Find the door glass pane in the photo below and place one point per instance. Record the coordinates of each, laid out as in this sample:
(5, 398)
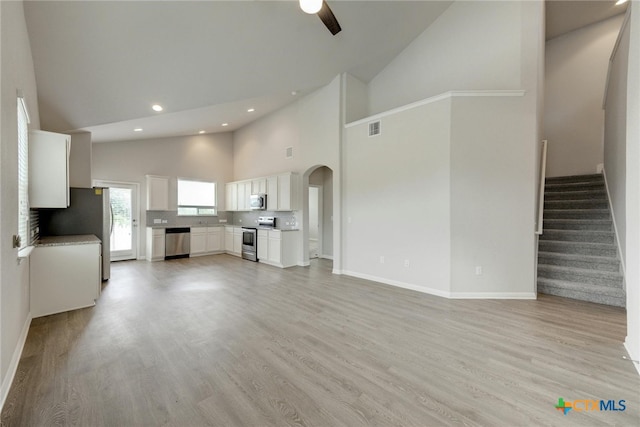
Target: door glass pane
(122, 215)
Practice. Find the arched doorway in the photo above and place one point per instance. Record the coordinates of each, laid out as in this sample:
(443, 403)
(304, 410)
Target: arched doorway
(318, 213)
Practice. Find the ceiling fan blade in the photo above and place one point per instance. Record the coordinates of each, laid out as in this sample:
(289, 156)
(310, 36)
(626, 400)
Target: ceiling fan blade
(328, 18)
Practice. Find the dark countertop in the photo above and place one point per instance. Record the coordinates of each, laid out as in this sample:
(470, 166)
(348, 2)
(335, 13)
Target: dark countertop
(79, 239)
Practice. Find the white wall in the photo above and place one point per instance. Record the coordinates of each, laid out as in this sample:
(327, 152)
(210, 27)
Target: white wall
(472, 45)
(615, 137)
(396, 192)
(312, 127)
(576, 71)
(80, 160)
(206, 157)
(16, 73)
(632, 342)
(492, 198)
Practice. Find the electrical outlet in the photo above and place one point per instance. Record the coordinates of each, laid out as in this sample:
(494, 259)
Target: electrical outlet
(406, 263)
(157, 221)
(478, 270)
(164, 221)
(381, 259)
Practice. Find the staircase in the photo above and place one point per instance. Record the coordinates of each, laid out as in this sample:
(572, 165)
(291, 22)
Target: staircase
(577, 252)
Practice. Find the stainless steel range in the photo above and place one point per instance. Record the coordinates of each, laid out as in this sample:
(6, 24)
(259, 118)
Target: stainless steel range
(250, 243)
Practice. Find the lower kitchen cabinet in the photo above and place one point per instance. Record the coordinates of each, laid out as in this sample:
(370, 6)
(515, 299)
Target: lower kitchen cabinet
(205, 240)
(64, 277)
(155, 244)
(233, 240)
(281, 248)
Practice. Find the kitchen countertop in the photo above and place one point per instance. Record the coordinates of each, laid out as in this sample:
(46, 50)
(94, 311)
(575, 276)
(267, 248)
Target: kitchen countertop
(163, 226)
(80, 239)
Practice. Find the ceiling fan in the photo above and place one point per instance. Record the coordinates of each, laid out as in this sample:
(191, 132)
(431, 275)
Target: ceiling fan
(322, 9)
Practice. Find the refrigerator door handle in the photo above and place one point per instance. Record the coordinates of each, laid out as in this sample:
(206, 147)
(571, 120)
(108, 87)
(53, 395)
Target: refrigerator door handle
(110, 219)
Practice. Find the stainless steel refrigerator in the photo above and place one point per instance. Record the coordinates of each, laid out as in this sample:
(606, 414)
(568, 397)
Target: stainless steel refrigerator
(89, 212)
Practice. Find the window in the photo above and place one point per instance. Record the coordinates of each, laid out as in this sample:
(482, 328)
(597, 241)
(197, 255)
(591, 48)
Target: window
(23, 173)
(196, 197)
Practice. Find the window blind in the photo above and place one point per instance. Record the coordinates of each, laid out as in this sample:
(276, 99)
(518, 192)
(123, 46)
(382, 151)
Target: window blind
(23, 173)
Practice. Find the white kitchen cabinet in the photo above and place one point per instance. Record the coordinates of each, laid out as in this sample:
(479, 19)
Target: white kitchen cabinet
(49, 169)
(231, 196)
(198, 237)
(64, 277)
(244, 193)
(272, 193)
(206, 240)
(259, 186)
(282, 248)
(157, 193)
(155, 244)
(285, 196)
(263, 245)
(214, 239)
(237, 240)
(233, 240)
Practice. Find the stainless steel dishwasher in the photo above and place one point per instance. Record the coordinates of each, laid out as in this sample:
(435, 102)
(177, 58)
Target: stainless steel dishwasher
(177, 242)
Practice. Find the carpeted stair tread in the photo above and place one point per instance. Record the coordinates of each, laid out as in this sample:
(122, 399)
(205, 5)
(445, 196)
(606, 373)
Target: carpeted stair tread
(581, 275)
(584, 248)
(583, 291)
(573, 186)
(593, 236)
(576, 204)
(577, 195)
(577, 224)
(576, 214)
(579, 261)
(575, 178)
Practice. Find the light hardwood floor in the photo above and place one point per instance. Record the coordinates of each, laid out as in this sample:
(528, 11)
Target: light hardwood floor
(221, 341)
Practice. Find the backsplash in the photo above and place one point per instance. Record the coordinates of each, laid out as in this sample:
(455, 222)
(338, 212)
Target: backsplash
(250, 219)
(172, 218)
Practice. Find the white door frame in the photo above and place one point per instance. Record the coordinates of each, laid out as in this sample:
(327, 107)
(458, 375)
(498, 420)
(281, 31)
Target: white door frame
(135, 211)
(320, 217)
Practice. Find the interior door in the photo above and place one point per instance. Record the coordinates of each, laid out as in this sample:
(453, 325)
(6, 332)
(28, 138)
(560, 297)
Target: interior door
(123, 201)
(315, 221)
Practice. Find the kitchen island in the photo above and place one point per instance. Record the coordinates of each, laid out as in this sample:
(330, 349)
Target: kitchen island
(65, 273)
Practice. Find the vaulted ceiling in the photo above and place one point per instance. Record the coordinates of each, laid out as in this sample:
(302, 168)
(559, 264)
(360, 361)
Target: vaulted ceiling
(100, 65)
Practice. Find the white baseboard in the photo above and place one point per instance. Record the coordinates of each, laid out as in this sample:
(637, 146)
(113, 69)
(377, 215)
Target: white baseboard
(15, 361)
(445, 294)
(326, 257)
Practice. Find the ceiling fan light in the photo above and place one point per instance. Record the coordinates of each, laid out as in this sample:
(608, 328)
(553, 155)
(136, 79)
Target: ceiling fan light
(311, 6)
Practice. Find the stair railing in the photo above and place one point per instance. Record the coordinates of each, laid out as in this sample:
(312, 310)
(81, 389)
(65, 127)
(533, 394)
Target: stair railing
(543, 171)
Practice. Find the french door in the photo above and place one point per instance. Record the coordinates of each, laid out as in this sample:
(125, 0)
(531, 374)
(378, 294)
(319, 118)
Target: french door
(123, 201)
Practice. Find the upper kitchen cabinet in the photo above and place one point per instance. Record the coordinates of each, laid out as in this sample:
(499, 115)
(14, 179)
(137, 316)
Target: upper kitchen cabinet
(281, 190)
(157, 193)
(49, 169)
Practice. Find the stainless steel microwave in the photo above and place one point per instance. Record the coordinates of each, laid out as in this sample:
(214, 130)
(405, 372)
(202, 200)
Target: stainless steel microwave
(258, 202)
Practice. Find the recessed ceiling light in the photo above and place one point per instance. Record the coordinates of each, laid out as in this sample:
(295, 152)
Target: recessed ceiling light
(225, 124)
(137, 130)
(294, 93)
(619, 2)
(251, 110)
(201, 132)
(157, 107)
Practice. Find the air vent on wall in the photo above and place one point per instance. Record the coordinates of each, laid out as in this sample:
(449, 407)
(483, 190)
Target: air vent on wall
(374, 128)
(288, 153)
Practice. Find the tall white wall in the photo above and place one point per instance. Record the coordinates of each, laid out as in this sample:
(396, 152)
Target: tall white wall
(206, 157)
(492, 198)
(397, 197)
(615, 139)
(632, 342)
(16, 73)
(575, 76)
(311, 126)
(473, 45)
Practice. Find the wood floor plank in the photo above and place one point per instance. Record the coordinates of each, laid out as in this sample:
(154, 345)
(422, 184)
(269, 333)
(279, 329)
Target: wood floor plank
(217, 340)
